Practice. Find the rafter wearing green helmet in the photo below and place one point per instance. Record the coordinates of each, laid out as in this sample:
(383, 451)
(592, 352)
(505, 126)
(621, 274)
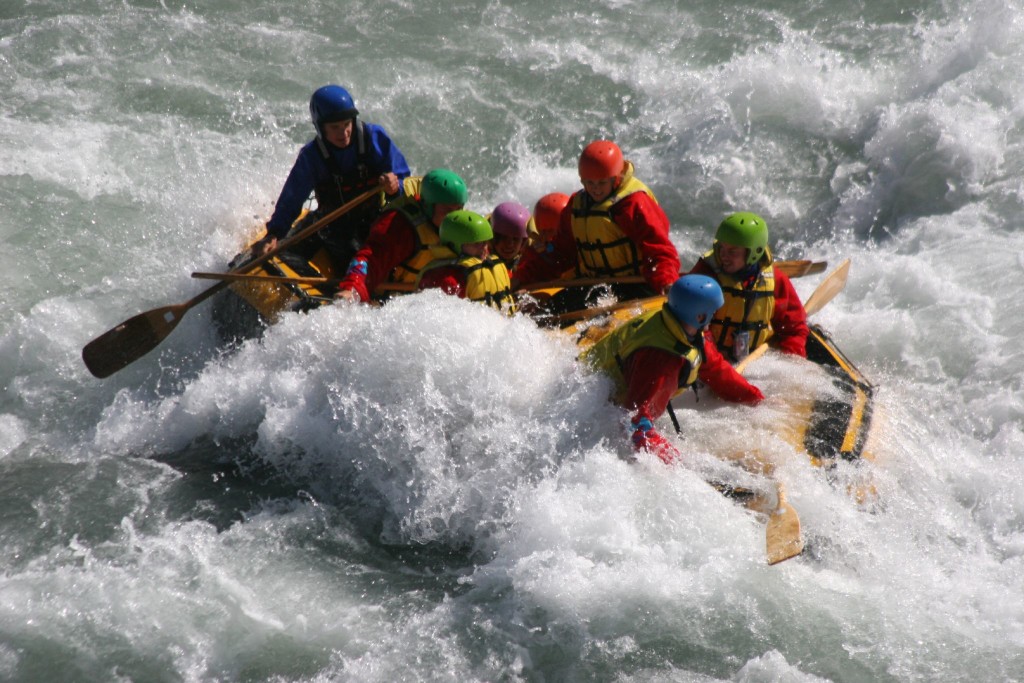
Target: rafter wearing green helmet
(464, 227)
(444, 187)
(744, 229)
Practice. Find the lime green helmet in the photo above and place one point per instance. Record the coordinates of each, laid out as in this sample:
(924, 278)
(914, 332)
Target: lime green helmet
(744, 229)
(464, 227)
(442, 186)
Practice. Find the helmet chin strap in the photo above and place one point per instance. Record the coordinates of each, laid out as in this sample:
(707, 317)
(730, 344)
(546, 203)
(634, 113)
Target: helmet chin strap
(321, 140)
(321, 143)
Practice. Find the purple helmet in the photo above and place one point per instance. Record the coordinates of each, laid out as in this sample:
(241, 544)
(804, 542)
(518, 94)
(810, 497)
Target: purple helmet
(511, 219)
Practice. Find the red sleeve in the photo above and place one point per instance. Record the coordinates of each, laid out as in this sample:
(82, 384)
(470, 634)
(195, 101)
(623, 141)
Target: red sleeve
(789, 322)
(391, 241)
(447, 278)
(701, 267)
(526, 267)
(723, 379)
(652, 377)
(551, 265)
(645, 223)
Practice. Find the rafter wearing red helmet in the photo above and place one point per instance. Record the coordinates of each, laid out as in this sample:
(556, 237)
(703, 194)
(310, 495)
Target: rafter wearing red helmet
(611, 228)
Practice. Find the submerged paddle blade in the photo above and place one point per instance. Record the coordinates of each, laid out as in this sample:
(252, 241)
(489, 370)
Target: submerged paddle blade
(131, 340)
(783, 539)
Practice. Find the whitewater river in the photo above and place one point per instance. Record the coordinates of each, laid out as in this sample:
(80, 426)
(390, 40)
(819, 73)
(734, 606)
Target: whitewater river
(430, 492)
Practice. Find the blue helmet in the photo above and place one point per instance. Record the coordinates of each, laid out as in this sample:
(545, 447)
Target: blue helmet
(693, 299)
(331, 103)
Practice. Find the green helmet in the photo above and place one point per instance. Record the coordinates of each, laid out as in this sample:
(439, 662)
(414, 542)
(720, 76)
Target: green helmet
(744, 229)
(442, 186)
(464, 227)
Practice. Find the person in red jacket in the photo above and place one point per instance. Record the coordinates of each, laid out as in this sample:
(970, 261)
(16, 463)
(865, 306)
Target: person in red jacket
(663, 352)
(398, 246)
(463, 265)
(760, 301)
(611, 228)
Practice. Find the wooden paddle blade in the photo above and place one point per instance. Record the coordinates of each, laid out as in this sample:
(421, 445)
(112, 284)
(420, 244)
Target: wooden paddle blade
(833, 283)
(131, 340)
(783, 539)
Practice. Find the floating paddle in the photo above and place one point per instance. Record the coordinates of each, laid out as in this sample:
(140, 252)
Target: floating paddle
(790, 268)
(783, 539)
(122, 345)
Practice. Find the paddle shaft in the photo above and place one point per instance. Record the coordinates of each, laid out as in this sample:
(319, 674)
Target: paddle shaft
(789, 268)
(124, 344)
(284, 244)
(256, 277)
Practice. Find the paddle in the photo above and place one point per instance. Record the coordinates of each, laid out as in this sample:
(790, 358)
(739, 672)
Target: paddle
(833, 283)
(588, 313)
(789, 268)
(823, 293)
(126, 343)
(256, 277)
(783, 539)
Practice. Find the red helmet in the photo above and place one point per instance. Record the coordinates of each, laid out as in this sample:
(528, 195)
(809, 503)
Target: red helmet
(601, 159)
(548, 211)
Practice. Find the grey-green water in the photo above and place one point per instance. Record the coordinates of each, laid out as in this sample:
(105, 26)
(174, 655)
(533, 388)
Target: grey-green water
(427, 492)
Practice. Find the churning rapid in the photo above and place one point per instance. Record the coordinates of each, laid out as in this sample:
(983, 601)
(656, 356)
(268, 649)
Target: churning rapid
(431, 492)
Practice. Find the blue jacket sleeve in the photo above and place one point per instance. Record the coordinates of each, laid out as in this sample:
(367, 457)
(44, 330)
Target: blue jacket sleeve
(387, 155)
(310, 169)
(296, 190)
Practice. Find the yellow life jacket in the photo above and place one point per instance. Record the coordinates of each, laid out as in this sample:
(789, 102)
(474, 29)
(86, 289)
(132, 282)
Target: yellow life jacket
(487, 280)
(657, 329)
(603, 250)
(426, 236)
(747, 311)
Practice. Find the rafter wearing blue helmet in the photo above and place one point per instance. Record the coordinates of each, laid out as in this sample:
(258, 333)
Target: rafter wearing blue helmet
(346, 158)
(663, 352)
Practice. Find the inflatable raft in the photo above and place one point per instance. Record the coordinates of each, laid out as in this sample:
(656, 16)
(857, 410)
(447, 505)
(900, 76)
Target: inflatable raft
(246, 307)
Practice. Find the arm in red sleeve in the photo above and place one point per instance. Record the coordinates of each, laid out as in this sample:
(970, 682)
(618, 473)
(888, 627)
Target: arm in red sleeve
(645, 223)
(391, 241)
(701, 267)
(449, 279)
(723, 379)
(551, 265)
(789, 323)
(652, 377)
